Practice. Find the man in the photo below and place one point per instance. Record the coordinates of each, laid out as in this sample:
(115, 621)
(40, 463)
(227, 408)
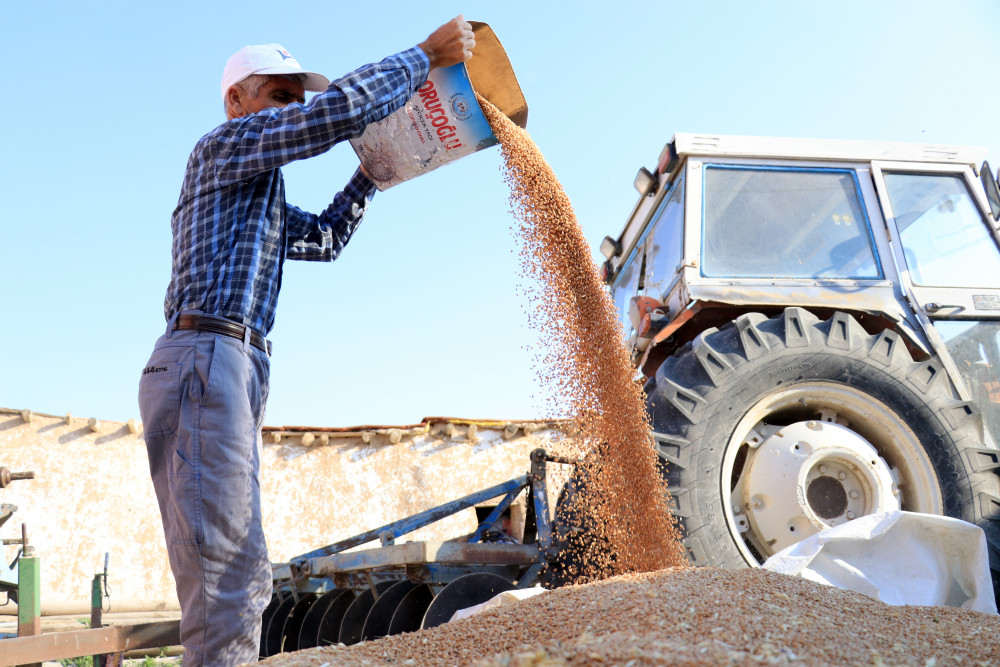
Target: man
(203, 391)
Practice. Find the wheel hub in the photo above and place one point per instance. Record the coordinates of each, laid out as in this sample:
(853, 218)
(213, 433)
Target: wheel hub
(806, 477)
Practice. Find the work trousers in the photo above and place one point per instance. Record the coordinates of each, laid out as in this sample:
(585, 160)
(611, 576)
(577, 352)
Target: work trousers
(202, 397)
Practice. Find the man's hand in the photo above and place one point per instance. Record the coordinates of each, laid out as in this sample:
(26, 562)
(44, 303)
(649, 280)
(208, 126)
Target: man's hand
(450, 44)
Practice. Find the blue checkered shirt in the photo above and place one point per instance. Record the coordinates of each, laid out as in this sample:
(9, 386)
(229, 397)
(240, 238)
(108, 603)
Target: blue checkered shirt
(233, 229)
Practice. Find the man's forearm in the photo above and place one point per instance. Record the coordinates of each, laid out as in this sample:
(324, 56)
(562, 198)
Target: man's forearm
(322, 237)
(275, 137)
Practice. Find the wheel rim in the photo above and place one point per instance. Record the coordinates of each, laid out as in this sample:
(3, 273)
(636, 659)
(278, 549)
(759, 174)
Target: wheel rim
(855, 456)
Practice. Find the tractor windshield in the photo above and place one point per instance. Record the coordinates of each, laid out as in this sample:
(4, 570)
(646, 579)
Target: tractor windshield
(945, 240)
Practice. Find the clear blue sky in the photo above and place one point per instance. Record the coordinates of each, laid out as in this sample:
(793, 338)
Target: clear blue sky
(422, 314)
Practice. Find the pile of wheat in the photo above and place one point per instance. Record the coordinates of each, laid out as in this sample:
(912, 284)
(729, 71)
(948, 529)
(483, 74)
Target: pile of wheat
(687, 616)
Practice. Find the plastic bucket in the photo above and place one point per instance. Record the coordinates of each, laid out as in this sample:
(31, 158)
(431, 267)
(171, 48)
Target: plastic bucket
(443, 121)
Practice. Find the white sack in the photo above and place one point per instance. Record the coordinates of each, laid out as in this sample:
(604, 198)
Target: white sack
(899, 558)
(499, 600)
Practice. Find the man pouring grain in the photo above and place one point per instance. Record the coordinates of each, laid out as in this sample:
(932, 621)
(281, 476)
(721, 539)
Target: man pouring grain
(203, 391)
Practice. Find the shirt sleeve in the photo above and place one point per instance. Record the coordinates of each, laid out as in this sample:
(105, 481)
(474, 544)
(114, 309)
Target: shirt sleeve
(322, 237)
(274, 137)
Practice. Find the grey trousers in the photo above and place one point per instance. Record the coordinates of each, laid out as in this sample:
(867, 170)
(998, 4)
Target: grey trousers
(201, 398)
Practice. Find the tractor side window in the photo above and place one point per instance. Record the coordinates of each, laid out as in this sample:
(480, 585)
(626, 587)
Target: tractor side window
(653, 263)
(975, 347)
(625, 287)
(945, 241)
(663, 246)
(785, 222)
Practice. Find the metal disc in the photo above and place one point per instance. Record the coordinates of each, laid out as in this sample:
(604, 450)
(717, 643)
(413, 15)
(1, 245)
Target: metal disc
(466, 591)
(271, 637)
(354, 619)
(410, 611)
(264, 620)
(322, 624)
(378, 619)
(290, 633)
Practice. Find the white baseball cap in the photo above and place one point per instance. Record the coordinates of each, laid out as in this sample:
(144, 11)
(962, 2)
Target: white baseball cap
(267, 59)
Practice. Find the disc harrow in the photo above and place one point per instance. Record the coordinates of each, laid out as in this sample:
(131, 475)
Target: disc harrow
(331, 595)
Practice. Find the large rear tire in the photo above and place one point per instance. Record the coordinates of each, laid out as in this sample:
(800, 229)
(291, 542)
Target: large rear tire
(875, 429)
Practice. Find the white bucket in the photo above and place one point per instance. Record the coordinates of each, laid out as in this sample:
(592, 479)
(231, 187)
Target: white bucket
(443, 121)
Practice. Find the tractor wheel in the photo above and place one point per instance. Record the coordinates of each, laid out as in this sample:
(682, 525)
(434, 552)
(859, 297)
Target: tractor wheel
(773, 429)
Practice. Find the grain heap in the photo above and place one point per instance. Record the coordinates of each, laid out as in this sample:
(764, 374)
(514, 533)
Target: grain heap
(686, 616)
(587, 373)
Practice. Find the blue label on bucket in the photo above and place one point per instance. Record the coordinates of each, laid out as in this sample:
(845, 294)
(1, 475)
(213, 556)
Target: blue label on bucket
(439, 124)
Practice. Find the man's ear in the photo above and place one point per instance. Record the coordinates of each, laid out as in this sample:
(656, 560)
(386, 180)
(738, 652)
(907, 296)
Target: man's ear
(234, 104)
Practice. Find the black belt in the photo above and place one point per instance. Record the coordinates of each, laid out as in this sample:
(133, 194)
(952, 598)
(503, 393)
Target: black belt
(224, 327)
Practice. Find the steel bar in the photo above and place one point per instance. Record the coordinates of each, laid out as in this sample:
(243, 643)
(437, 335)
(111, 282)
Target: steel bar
(564, 460)
(543, 521)
(82, 608)
(528, 578)
(112, 639)
(460, 553)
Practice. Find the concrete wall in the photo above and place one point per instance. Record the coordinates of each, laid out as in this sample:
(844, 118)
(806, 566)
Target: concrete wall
(92, 494)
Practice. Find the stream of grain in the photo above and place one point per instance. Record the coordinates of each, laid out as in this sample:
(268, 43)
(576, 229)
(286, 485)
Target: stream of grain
(587, 374)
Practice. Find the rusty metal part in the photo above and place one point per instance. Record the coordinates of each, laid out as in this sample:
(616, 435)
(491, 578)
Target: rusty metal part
(701, 315)
(663, 345)
(6, 512)
(460, 553)
(26, 549)
(6, 476)
(82, 607)
(565, 460)
(112, 639)
(422, 427)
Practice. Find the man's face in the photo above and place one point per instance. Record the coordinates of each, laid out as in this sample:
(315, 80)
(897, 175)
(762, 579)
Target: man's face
(277, 91)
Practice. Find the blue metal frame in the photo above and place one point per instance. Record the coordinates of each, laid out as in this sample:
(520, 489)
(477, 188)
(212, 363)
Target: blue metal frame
(516, 561)
(411, 523)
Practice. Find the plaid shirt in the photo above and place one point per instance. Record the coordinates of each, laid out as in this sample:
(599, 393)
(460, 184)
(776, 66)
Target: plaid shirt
(232, 228)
